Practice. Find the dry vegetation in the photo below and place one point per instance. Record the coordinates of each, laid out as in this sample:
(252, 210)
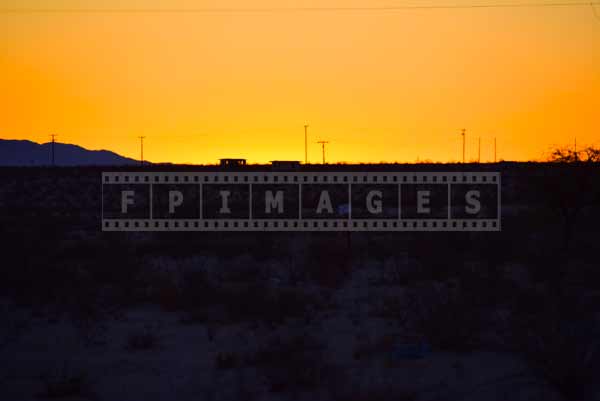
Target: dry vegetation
(300, 316)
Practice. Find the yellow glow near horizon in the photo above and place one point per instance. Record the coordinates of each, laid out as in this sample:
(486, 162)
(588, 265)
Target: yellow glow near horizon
(380, 86)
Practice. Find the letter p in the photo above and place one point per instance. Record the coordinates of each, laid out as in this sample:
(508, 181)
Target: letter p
(175, 199)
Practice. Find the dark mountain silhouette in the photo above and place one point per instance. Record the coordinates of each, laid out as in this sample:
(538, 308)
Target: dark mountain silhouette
(27, 153)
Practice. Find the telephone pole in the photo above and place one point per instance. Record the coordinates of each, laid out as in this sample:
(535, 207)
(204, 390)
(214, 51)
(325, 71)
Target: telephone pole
(494, 150)
(305, 144)
(479, 150)
(463, 133)
(141, 149)
(323, 143)
(53, 136)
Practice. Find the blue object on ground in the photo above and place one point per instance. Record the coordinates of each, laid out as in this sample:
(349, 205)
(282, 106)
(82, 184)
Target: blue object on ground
(343, 209)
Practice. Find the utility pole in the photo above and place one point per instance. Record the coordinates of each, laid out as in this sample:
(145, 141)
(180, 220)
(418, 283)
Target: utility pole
(305, 144)
(53, 141)
(323, 143)
(141, 149)
(479, 150)
(463, 133)
(494, 149)
(575, 153)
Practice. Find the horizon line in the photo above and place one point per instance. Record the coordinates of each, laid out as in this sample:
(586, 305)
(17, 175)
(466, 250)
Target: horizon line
(217, 10)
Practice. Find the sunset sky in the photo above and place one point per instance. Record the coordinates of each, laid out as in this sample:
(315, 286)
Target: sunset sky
(379, 85)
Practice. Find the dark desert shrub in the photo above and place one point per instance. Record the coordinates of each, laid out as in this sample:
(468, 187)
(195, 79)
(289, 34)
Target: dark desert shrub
(226, 360)
(446, 318)
(67, 384)
(557, 335)
(328, 263)
(143, 340)
(292, 364)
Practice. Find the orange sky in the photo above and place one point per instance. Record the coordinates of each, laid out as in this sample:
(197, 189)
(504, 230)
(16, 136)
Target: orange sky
(381, 86)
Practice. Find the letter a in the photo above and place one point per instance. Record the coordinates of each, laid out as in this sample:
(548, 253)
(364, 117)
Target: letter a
(324, 203)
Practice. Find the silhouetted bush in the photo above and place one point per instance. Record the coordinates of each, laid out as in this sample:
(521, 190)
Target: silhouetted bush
(558, 336)
(292, 364)
(205, 299)
(67, 384)
(143, 340)
(382, 393)
(328, 263)
(446, 318)
(227, 360)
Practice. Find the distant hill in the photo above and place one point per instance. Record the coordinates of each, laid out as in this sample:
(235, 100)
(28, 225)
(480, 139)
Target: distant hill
(27, 153)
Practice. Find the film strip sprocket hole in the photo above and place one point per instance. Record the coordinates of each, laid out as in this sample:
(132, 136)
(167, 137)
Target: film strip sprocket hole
(301, 201)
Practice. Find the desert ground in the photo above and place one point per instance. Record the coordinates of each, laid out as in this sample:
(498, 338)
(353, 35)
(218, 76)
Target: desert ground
(509, 315)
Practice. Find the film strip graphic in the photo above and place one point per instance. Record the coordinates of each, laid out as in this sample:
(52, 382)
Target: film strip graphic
(301, 201)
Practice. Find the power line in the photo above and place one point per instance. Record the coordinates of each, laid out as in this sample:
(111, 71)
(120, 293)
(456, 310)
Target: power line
(593, 5)
(463, 134)
(495, 150)
(53, 136)
(323, 143)
(142, 149)
(306, 144)
(217, 10)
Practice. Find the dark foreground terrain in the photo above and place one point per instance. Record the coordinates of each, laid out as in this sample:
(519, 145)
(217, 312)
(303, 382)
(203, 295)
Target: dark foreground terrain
(510, 315)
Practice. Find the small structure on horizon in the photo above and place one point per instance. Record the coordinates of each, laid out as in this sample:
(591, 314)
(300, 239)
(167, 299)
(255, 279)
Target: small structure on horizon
(232, 162)
(285, 164)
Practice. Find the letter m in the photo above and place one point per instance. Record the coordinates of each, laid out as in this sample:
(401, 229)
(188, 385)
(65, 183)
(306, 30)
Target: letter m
(272, 202)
